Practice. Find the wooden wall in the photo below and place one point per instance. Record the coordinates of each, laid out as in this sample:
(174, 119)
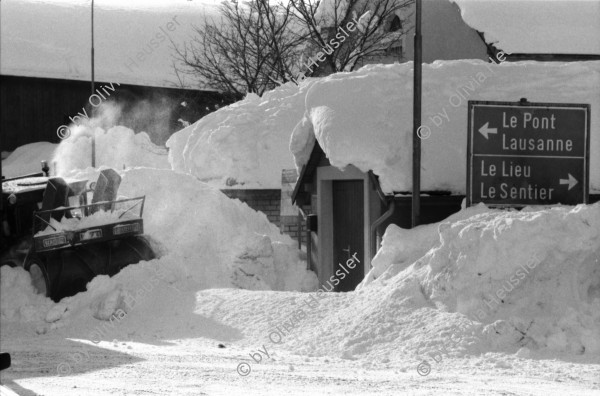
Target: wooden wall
(31, 109)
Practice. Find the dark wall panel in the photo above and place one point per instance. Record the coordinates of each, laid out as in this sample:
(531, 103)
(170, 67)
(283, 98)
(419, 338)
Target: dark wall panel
(31, 109)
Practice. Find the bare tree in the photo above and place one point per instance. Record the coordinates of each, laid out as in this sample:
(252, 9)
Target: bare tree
(252, 48)
(375, 24)
(255, 46)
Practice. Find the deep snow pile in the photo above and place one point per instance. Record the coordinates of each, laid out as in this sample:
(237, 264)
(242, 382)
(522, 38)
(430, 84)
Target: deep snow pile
(551, 27)
(534, 275)
(204, 240)
(364, 117)
(118, 147)
(243, 145)
(483, 281)
(18, 299)
(219, 238)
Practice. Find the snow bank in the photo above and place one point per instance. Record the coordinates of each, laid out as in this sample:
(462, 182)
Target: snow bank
(403, 246)
(204, 240)
(481, 282)
(220, 239)
(364, 118)
(118, 147)
(536, 26)
(27, 159)
(18, 300)
(243, 145)
(532, 277)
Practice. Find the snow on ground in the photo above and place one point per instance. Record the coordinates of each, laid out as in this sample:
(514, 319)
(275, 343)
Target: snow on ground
(18, 298)
(490, 281)
(360, 118)
(198, 223)
(532, 278)
(414, 327)
(551, 27)
(485, 302)
(204, 239)
(244, 145)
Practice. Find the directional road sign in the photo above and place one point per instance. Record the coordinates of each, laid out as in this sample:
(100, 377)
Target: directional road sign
(522, 153)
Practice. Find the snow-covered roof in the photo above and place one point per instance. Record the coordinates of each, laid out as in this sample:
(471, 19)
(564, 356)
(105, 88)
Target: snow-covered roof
(244, 145)
(52, 38)
(364, 118)
(536, 26)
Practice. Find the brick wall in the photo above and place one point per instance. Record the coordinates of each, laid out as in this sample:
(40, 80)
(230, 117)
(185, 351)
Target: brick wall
(266, 201)
(289, 226)
(289, 212)
(277, 205)
(269, 202)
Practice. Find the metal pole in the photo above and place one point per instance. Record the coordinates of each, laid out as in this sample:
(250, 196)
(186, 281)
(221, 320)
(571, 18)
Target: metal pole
(416, 187)
(93, 132)
(299, 233)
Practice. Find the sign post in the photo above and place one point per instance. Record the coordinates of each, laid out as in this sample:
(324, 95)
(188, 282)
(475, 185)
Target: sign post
(92, 58)
(522, 153)
(416, 141)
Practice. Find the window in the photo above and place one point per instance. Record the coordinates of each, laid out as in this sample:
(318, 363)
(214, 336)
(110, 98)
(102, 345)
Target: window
(396, 24)
(395, 51)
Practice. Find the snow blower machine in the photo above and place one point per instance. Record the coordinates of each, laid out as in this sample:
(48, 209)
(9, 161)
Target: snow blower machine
(50, 229)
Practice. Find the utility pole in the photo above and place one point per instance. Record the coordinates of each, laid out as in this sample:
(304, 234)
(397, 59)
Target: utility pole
(93, 132)
(416, 179)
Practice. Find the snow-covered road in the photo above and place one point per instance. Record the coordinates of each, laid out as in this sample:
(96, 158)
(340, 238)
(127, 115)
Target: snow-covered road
(445, 292)
(197, 366)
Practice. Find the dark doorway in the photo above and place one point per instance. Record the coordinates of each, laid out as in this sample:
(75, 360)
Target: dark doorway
(348, 231)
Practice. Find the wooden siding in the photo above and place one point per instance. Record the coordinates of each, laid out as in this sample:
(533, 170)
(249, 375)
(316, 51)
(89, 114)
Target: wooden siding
(32, 109)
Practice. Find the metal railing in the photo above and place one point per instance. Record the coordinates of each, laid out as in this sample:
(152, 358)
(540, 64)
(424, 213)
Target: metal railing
(134, 207)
